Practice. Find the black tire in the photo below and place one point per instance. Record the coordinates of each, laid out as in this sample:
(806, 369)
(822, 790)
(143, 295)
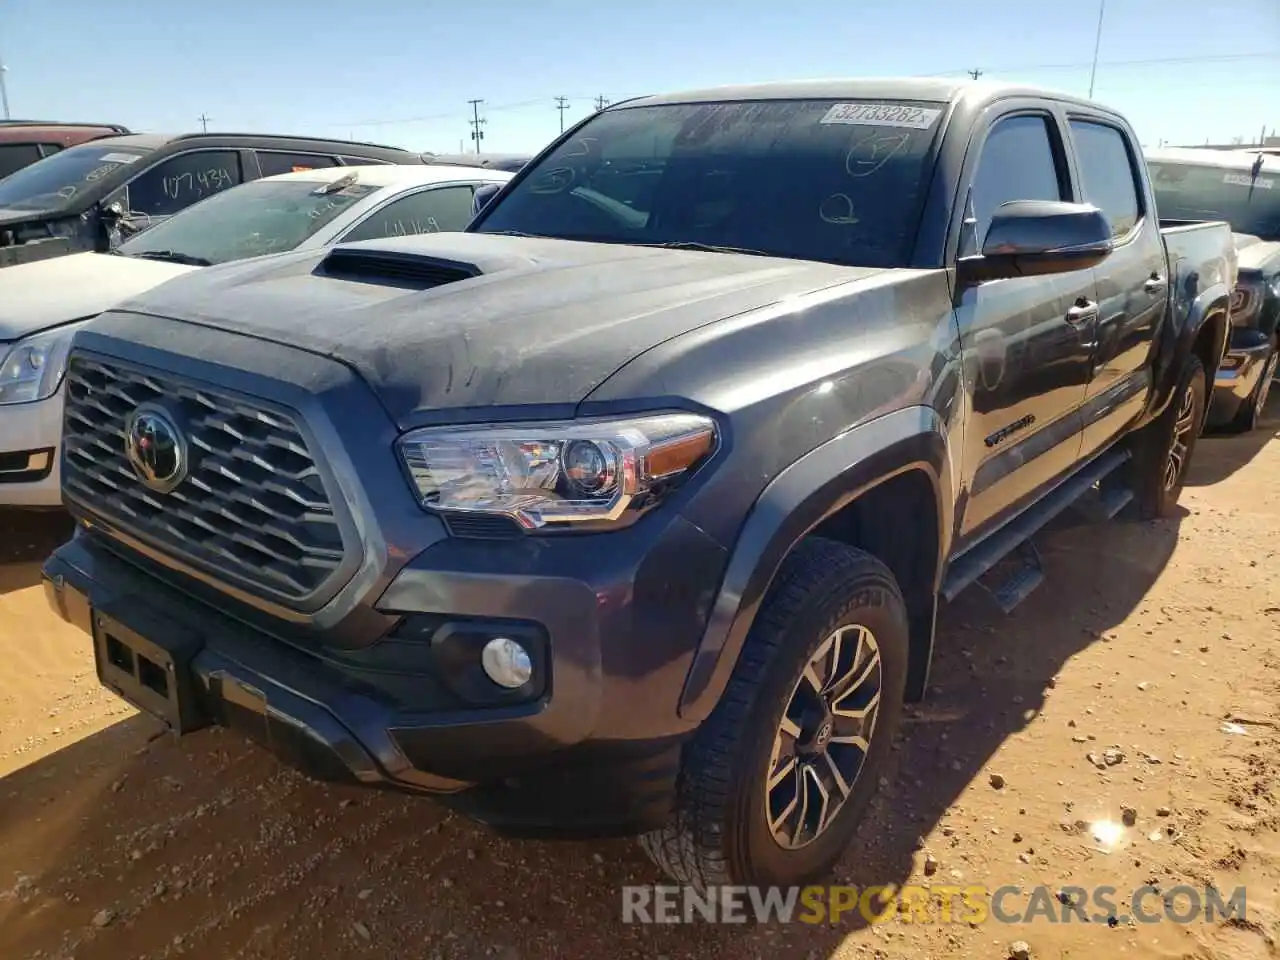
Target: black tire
(1157, 485)
(720, 833)
(1250, 412)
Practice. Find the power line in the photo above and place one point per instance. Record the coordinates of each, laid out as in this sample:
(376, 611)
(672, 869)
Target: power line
(204, 122)
(1012, 68)
(601, 102)
(476, 120)
(974, 73)
(562, 104)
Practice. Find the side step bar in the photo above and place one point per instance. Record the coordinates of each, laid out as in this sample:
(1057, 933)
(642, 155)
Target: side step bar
(982, 556)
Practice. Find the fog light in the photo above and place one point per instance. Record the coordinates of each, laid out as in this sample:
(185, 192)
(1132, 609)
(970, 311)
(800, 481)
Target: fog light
(506, 663)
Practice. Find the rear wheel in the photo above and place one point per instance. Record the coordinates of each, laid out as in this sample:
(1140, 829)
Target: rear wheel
(1163, 448)
(774, 783)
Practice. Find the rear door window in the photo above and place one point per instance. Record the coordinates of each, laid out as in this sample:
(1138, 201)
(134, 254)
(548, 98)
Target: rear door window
(273, 163)
(15, 156)
(438, 210)
(180, 181)
(1108, 175)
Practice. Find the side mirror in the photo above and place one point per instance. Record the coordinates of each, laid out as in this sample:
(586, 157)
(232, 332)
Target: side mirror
(1032, 238)
(483, 195)
(113, 210)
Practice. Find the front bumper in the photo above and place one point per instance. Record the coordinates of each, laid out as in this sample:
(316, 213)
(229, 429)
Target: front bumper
(589, 754)
(1235, 380)
(29, 438)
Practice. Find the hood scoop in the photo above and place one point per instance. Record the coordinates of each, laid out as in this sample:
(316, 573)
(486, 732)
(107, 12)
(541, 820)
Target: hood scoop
(387, 267)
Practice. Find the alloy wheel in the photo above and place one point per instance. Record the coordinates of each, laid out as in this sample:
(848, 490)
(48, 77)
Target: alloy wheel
(822, 740)
(1183, 429)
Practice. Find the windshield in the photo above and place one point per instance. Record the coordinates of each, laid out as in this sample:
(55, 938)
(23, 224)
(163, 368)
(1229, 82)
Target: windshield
(1187, 191)
(54, 181)
(808, 179)
(251, 220)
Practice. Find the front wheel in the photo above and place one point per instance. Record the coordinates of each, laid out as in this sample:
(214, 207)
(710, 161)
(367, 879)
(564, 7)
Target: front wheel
(775, 782)
(1163, 448)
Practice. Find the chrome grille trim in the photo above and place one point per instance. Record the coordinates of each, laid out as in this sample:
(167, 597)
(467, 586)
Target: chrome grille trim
(254, 509)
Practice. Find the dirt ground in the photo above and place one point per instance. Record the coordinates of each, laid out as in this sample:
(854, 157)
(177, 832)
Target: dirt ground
(1158, 642)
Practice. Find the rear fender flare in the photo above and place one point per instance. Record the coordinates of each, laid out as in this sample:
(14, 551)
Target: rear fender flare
(1182, 341)
(815, 487)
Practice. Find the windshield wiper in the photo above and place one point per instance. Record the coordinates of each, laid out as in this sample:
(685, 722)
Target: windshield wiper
(708, 248)
(172, 256)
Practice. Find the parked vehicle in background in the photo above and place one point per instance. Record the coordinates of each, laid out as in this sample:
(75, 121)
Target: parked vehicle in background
(42, 304)
(510, 162)
(23, 142)
(89, 197)
(630, 508)
(1244, 190)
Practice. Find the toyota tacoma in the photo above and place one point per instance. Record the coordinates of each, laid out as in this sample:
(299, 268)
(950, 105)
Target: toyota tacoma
(630, 508)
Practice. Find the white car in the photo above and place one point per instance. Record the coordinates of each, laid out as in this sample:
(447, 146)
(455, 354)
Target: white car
(43, 303)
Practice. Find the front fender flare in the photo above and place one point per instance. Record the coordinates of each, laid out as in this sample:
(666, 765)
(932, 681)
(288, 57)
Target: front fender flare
(813, 488)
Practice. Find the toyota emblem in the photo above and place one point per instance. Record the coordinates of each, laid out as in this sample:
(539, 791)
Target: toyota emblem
(156, 448)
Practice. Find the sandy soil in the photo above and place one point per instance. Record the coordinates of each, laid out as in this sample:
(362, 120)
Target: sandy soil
(1159, 641)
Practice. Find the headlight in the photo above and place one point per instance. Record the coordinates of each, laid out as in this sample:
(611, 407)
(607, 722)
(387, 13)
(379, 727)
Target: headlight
(552, 474)
(33, 368)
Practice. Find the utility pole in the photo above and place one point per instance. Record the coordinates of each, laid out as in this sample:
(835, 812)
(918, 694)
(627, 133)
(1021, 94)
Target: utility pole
(975, 73)
(476, 121)
(204, 123)
(601, 102)
(1097, 45)
(562, 104)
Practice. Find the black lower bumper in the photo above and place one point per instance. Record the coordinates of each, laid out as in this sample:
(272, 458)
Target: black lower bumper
(191, 666)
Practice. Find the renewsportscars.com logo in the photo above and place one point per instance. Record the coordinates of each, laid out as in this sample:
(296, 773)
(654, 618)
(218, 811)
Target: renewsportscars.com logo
(934, 904)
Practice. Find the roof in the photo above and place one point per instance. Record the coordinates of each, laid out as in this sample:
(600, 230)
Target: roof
(139, 141)
(935, 89)
(300, 138)
(1223, 159)
(153, 141)
(394, 175)
(493, 161)
(72, 124)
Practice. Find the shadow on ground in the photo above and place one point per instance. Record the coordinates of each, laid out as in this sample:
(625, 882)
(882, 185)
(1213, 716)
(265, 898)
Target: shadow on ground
(26, 538)
(209, 848)
(1219, 455)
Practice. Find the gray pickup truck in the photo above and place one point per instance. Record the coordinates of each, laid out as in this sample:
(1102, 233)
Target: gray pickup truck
(631, 508)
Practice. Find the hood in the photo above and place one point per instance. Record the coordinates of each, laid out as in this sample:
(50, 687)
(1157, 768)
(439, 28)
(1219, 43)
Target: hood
(512, 321)
(45, 293)
(10, 216)
(1254, 253)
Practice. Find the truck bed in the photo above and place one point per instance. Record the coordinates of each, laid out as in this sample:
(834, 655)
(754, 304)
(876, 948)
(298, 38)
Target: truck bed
(1206, 249)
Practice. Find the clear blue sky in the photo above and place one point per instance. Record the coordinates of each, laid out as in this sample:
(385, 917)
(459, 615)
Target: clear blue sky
(401, 72)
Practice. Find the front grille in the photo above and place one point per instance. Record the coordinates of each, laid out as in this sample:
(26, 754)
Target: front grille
(252, 509)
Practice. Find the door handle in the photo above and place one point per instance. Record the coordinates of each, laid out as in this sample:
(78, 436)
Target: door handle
(1154, 284)
(1082, 312)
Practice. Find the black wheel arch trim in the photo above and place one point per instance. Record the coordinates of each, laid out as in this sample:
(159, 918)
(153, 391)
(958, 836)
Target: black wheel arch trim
(815, 487)
(1181, 340)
